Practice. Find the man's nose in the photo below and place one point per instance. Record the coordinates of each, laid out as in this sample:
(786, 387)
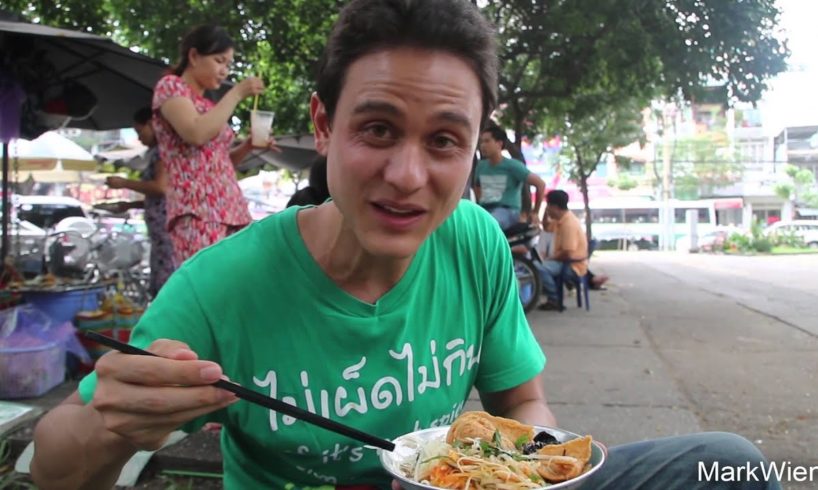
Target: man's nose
(407, 168)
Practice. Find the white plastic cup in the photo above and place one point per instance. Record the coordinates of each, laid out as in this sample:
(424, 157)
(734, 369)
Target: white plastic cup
(261, 124)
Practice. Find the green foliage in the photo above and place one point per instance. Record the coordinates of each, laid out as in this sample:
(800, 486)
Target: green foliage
(788, 239)
(756, 242)
(623, 182)
(784, 191)
(802, 188)
(702, 163)
(592, 134)
(555, 52)
(279, 41)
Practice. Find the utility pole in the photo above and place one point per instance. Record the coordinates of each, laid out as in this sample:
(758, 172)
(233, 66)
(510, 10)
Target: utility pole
(667, 216)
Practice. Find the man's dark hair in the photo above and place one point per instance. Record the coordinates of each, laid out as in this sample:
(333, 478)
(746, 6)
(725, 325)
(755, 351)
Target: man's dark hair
(317, 191)
(367, 26)
(207, 39)
(143, 115)
(496, 133)
(557, 198)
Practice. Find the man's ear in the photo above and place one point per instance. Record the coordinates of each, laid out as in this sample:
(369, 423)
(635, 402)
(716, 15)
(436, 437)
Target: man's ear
(321, 124)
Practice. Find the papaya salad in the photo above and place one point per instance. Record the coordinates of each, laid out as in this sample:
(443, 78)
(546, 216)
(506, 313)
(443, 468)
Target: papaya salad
(483, 452)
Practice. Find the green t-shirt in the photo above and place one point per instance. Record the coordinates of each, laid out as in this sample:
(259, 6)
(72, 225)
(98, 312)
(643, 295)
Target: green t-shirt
(501, 184)
(259, 305)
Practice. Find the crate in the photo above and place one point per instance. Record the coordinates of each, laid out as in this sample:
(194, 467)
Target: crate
(30, 371)
(62, 306)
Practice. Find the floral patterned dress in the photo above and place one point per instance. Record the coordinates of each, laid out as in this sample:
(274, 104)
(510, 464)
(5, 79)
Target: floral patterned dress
(204, 202)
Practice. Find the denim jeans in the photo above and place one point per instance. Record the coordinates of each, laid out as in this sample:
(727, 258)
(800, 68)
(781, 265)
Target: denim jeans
(549, 271)
(505, 216)
(673, 463)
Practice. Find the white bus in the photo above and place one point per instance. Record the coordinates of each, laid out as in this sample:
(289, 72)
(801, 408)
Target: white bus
(633, 224)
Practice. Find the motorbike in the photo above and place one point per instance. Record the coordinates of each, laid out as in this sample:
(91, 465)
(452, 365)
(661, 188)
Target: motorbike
(523, 239)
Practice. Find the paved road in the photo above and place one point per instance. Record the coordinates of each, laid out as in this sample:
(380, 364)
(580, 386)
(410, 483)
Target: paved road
(682, 343)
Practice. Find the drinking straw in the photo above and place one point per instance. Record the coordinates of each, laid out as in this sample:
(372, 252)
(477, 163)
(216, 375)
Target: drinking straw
(255, 102)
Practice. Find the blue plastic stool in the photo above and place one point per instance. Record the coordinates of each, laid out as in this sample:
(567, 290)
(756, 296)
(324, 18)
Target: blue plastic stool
(582, 285)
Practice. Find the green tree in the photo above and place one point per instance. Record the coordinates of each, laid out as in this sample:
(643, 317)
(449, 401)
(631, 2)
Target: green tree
(802, 188)
(702, 163)
(592, 135)
(279, 41)
(552, 50)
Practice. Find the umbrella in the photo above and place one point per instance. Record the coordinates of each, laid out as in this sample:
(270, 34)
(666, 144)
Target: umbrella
(70, 79)
(120, 80)
(297, 154)
(50, 151)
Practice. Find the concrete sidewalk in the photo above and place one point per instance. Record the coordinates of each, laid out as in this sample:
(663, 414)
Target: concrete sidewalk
(603, 377)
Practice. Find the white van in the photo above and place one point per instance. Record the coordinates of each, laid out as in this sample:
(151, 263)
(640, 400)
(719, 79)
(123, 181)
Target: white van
(806, 229)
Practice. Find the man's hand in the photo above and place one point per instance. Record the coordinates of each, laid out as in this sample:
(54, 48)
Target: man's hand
(143, 399)
(535, 221)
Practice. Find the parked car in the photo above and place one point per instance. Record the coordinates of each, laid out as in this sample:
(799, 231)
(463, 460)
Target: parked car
(47, 212)
(706, 242)
(807, 230)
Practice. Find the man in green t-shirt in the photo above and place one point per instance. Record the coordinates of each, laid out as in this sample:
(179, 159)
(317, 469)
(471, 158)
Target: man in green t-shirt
(381, 308)
(500, 181)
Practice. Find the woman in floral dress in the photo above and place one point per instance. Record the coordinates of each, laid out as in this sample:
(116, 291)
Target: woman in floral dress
(204, 201)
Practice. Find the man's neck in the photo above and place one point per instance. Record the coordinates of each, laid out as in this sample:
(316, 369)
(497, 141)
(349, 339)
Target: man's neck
(496, 159)
(342, 258)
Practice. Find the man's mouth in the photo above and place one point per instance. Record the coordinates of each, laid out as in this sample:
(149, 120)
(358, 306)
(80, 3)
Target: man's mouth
(398, 210)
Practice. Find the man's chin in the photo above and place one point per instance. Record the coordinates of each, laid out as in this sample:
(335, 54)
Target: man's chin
(394, 248)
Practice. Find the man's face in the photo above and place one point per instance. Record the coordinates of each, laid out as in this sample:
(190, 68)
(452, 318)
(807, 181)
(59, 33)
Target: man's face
(489, 147)
(553, 212)
(400, 146)
(145, 133)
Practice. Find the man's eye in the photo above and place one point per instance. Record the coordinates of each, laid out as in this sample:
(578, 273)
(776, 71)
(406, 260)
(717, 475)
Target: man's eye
(443, 142)
(378, 130)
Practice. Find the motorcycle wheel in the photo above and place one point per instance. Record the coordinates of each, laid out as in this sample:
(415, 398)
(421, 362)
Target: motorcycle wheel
(528, 282)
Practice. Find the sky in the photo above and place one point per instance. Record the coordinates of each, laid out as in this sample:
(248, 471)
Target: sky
(793, 96)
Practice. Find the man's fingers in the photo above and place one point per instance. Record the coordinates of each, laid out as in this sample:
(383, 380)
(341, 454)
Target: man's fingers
(149, 431)
(172, 349)
(170, 401)
(157, 371)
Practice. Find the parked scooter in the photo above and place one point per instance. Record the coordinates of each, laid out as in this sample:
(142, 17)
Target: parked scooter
(523, 238)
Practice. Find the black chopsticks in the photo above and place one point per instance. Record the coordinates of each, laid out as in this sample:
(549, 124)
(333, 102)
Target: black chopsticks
(257, 398)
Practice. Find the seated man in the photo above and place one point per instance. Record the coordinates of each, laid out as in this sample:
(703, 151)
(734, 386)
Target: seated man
(568, 244)
(499, 181)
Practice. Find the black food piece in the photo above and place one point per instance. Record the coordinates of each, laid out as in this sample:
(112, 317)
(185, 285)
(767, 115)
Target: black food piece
(540, 440)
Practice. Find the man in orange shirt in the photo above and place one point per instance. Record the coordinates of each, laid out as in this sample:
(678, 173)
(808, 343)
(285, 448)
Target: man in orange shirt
(569, 245)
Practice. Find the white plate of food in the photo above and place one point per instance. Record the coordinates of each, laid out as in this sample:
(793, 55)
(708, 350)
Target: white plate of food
(482, 452)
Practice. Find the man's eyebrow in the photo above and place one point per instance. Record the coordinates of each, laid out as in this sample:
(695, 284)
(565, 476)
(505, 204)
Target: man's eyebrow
(379, 106)
(369, 106)
(456, 118)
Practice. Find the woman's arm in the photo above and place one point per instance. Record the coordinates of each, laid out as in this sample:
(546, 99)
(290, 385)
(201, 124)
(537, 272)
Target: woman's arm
(240, 151)
(197, 129)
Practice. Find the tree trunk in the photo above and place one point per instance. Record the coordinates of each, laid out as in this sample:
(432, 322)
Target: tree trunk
(583, 188)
